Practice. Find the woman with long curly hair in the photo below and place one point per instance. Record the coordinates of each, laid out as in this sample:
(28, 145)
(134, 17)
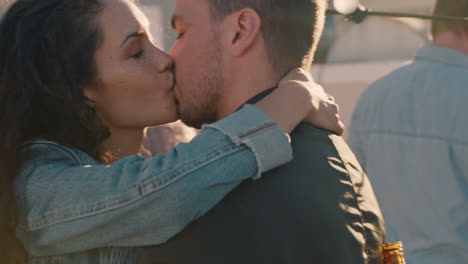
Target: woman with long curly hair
(72, 189)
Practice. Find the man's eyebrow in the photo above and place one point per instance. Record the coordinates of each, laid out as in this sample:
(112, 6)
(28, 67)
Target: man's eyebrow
(132, 35)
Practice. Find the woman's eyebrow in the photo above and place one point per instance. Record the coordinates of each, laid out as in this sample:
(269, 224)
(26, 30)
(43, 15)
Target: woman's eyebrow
(131, 35)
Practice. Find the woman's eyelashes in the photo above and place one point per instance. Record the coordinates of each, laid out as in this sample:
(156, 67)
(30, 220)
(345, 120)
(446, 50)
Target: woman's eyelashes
(137, 55)
(179, 35)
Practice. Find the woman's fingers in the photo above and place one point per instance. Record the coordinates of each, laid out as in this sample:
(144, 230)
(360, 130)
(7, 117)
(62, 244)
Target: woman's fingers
(324, 110)
(327, 117)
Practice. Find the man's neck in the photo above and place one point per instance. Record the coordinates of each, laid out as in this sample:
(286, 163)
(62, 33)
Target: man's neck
(452, 40)
(244, 84)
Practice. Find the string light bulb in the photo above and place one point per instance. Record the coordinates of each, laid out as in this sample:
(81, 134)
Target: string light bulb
(346, 7)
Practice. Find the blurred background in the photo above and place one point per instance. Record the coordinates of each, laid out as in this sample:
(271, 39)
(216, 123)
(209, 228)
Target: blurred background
(350, 56)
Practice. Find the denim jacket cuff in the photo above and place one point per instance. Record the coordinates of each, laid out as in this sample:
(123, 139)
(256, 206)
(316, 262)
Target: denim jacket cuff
(251, 127)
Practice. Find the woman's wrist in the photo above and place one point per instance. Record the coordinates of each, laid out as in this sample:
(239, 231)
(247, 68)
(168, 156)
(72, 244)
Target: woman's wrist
(287, 107)
(298, 98)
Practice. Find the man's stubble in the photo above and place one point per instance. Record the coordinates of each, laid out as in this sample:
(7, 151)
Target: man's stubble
(201, 107)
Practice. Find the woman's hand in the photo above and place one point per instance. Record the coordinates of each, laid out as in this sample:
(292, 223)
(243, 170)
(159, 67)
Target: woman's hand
(324, 111)
(298, 98)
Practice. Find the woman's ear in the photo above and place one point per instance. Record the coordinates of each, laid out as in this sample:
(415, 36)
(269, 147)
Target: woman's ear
(245, 27)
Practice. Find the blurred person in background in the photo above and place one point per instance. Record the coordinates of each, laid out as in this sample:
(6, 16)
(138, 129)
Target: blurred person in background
(409, 131)
(328, 212)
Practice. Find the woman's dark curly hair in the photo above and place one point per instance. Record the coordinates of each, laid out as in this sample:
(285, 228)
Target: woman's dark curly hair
(47, 50)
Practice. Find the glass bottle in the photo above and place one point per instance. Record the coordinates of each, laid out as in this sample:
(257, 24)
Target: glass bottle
(393, 253)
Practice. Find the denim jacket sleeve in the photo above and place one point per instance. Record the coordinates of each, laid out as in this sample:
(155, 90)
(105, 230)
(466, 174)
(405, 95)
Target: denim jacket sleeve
(67, 204)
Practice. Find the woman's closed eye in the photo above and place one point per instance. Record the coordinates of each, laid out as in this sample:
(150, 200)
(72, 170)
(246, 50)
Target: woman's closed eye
(137, 55)
(180, 35)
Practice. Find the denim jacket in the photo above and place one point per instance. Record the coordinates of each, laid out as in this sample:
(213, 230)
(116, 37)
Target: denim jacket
(73, 209)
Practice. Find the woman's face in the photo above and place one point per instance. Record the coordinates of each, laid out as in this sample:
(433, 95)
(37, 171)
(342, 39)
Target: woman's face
(134, 77)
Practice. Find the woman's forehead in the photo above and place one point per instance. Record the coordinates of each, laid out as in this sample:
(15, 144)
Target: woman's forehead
(120, 18)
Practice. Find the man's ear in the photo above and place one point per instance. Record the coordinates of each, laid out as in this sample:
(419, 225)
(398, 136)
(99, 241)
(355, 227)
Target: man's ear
(245, 28)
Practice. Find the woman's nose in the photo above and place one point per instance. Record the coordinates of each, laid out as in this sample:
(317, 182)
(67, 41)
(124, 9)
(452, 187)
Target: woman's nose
(164, 62)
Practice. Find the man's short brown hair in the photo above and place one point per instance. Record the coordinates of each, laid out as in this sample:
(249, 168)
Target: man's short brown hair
(291, 28)
(453, 8)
